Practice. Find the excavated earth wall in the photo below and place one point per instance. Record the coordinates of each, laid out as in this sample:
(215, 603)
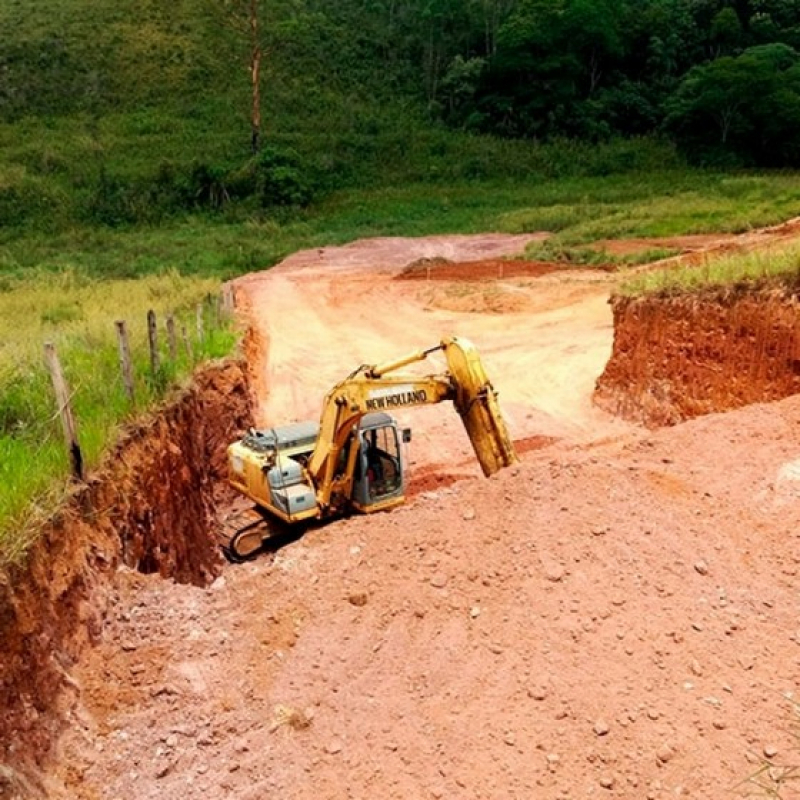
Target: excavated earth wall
(679, 357)
(151, 507)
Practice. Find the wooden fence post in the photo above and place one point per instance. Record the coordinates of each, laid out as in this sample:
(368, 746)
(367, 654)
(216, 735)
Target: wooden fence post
(187, 343)
(228, 300)
(125, 359)
(152, 336)
(65, 410)
(171, 340)
(199, 319)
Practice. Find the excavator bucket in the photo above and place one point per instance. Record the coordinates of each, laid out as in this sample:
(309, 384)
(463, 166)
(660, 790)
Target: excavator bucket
(476, 402)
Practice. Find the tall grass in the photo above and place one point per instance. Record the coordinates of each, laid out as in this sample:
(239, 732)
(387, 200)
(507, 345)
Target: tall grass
(727, 271)
(77, 314)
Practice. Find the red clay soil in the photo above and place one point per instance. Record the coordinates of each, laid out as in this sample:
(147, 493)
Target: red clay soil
(482, 270)
(679, 357)
(149, 507)
(616, 616)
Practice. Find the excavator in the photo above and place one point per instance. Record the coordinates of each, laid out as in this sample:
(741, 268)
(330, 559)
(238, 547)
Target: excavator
(351, 461)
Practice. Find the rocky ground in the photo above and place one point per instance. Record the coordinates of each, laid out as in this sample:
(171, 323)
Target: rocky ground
(616, 616)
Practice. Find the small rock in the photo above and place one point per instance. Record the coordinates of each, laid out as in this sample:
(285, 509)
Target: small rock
(607, 781)
(599, 530)
(537, 692)
(665, 753)
(164, 770)
(218, 585)
(333, 748)
(357, 598)
(701, 568)
(510, 739)
(439, 581)
(554, 573)
(601, 728)
(696, 668)
(475, 612)
(469, 513)
(770, 751)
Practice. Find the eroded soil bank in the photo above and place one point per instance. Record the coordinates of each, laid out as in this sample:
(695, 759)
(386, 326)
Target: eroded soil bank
(675, 358)
(151, 507)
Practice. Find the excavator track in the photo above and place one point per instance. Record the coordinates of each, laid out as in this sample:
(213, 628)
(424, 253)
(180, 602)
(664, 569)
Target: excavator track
(242, 533)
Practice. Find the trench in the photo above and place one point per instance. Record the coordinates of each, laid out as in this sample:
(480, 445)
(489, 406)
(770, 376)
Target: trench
(151, 507)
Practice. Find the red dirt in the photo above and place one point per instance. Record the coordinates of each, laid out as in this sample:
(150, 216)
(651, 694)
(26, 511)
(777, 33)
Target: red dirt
(615, 616)
(717, 350)
(482, 270)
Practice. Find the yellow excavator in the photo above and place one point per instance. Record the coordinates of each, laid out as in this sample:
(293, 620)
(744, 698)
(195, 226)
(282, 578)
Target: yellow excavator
(352, 460)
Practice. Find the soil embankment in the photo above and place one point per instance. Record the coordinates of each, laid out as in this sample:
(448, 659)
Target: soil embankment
(151, 508)
(675, 358)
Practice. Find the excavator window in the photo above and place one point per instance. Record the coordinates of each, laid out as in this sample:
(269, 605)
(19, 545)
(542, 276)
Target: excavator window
(382, 460)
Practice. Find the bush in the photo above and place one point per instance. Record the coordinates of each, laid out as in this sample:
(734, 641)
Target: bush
(284, 178)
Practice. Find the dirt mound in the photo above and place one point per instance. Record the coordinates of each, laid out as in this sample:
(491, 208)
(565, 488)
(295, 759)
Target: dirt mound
(613, 622)
(441, 269)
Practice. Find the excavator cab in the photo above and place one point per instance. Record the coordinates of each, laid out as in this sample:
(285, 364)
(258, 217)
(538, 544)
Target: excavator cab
(378, 478)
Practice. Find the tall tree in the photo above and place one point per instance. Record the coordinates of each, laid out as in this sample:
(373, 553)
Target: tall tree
(244, 18)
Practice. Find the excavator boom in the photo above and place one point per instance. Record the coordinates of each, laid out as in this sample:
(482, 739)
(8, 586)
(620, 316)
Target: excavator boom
(376, 388)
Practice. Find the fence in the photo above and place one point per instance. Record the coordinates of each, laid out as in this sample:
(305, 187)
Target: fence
(210, 315)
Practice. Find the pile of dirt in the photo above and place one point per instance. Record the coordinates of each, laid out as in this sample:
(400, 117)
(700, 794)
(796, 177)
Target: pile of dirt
(150, 507)
(441, 269)
(617, 621)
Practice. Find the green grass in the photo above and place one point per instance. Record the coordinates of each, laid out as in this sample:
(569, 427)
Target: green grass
(660, 204)
(727, 272)
(578, 210)
(77, 314)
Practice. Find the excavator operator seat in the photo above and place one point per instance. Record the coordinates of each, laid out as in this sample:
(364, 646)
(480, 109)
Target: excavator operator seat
(379, 469)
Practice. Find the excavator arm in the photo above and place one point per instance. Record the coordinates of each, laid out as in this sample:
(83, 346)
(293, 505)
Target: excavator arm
(374, 388)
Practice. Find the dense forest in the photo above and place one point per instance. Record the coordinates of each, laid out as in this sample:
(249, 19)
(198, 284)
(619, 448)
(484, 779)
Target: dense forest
(284, 99)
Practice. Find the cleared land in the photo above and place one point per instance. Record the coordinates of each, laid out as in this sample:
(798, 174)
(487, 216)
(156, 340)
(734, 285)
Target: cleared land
(616, 616)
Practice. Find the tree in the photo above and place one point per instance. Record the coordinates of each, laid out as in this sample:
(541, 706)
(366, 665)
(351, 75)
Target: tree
(243, 17)
(748, 106)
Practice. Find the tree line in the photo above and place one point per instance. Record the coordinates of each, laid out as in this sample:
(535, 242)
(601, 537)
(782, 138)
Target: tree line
(721, 78)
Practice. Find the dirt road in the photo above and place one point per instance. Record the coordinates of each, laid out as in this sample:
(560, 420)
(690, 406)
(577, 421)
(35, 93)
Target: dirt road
(544, 340)
(615, 617)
